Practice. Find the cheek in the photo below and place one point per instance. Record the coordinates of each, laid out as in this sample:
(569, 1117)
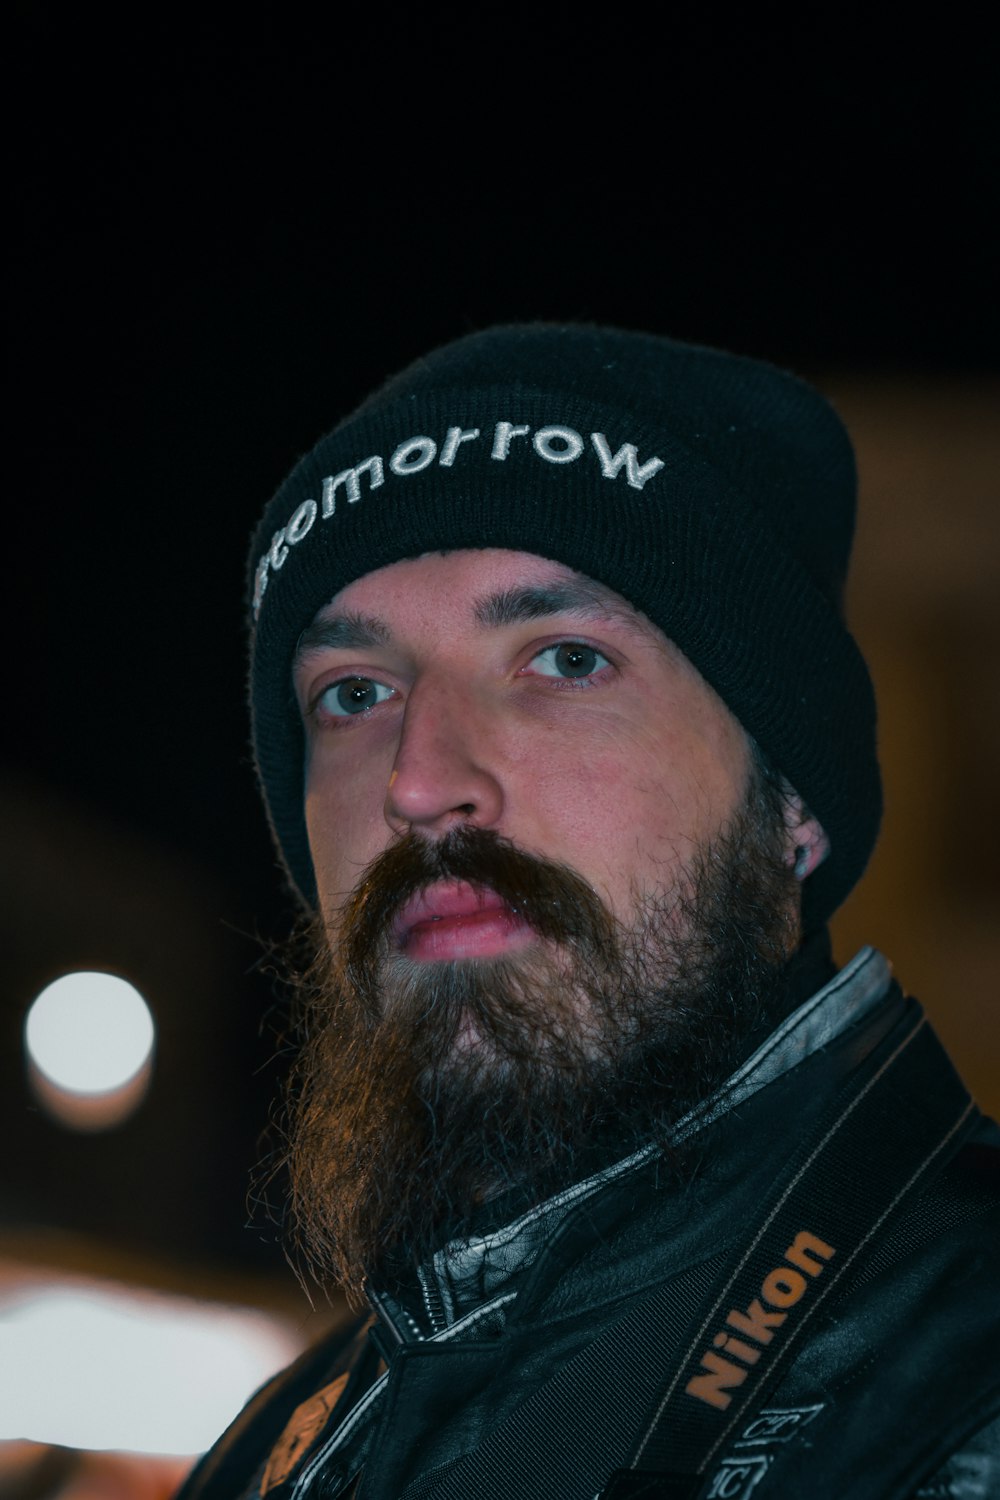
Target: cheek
(592, 810)
(343, 821)
(630, 808)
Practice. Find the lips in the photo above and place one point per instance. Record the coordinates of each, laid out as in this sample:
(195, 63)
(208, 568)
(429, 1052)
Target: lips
(453, 919)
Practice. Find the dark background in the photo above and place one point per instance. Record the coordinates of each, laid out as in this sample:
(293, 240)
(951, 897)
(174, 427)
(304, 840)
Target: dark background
(223, 233)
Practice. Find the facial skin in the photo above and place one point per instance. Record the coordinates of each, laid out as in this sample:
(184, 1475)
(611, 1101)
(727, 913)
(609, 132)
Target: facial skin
(620, 773)
(556, 893)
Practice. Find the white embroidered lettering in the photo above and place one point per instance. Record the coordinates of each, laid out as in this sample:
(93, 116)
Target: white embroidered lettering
(627, 454)
(423, 451)
(278, 552)
(776, 1424)
(737, 1477)
(502, 434)
(351, 480)
(454, 436)
(260, 584)
(301, 523)
(556, 445)
(570, 444)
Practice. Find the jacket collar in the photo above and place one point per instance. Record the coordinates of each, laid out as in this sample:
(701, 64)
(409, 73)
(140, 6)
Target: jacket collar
(465, 1274)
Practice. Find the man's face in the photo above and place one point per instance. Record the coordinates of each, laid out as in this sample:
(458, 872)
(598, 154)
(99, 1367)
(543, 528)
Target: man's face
(500, 691)
(555, 896)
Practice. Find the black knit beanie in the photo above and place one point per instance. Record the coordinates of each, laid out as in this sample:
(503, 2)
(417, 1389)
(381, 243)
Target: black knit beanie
(715, 493)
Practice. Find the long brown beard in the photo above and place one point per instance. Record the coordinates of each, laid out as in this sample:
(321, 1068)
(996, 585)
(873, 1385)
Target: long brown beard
(424, 1089)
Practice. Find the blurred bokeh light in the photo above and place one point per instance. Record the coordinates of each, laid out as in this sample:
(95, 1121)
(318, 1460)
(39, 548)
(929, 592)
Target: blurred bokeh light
(105, 1367)
(89, 1040)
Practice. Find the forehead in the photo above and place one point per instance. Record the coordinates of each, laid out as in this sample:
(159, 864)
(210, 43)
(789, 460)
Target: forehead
(490, 586)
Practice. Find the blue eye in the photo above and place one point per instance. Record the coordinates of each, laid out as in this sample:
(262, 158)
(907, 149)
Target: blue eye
(352, 696)
(569, 659)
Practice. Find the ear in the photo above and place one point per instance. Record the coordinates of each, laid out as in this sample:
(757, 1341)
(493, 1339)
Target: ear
(806, 844)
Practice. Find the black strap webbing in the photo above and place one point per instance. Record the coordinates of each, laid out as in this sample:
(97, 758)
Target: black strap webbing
(699, 1359)
(861, 1169)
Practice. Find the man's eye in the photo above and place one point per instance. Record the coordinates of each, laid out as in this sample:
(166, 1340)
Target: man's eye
(569, 659)
(351, 696)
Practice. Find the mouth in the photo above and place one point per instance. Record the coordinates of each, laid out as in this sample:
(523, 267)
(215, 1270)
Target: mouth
(453, 920)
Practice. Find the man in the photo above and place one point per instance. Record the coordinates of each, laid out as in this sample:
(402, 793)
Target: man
(565, 743)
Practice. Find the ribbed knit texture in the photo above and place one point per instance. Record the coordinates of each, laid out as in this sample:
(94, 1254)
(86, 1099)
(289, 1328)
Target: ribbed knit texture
(737, 547)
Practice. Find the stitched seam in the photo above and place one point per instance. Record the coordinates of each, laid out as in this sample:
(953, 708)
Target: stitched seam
(334, 1441)
(337, 1438)
(470, 1318)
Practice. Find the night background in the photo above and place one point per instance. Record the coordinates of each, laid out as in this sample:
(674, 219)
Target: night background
(224, 232)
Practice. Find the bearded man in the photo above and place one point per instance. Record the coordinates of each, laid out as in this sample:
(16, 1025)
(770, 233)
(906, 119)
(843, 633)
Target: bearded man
(568, 750)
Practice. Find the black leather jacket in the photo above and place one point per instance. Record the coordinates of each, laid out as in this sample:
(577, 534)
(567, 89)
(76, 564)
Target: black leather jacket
(894, 1392)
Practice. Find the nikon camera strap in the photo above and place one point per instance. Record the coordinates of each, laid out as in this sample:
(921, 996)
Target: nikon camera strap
(698, 1362)
(871, 1156)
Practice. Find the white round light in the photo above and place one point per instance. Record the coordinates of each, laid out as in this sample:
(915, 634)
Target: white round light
(89, 1033)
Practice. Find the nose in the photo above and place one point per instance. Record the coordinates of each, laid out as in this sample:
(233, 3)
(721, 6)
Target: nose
(444, 772)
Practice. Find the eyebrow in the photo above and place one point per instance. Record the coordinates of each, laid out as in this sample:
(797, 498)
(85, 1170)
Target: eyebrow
(574, 597)
(346, 632)
(351, 631)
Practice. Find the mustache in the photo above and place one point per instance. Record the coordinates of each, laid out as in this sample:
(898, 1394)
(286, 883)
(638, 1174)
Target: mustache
(398, 1132)
(557, 902)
